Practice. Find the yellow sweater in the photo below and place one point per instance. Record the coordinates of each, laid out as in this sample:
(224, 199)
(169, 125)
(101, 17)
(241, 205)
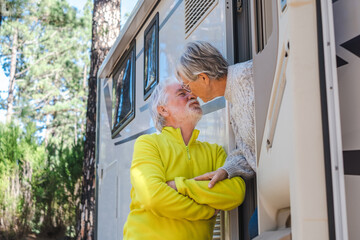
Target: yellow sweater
(159, 212)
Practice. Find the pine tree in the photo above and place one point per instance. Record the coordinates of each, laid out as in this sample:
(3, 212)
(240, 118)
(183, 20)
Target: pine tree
(105, 29)
(44, 54)
(44, 50)
(11, 40)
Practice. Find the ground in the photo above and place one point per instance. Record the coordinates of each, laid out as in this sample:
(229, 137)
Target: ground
(36, 237)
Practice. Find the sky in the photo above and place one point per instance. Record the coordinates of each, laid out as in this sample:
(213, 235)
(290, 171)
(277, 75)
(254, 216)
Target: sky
(126, 7)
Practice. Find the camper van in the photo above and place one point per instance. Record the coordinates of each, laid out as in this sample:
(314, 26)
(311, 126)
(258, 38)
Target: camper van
(306, 56)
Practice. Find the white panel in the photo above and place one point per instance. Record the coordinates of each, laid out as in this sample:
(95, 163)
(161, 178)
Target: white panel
(332, 98)
(278, 119)
(347, 26)
(107, 214)
(291, 171)
(124, 153)
(307, 175)
(352, 184)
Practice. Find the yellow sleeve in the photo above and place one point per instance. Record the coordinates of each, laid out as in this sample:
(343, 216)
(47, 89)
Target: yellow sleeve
(225, 195)
(148, 180)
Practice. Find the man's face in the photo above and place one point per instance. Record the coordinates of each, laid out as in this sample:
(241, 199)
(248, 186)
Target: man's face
(182, 105)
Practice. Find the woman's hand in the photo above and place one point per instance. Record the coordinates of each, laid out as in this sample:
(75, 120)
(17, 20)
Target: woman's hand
(172, 184)
(214, 177)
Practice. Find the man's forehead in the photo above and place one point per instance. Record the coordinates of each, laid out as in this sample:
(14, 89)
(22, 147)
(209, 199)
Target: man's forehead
(174, 87)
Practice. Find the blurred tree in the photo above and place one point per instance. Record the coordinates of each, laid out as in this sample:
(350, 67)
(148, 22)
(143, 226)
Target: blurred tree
(44, 50)
(105, 29)
(16, 19)
(45, 53)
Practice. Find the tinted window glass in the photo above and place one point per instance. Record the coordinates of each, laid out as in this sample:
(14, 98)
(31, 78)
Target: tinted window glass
(151, 56)
(123, 92)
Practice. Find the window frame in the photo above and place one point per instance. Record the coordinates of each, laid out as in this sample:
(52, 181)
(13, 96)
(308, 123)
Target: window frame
(263, 23)
(259, 27)
(153, 23)
(129, 53)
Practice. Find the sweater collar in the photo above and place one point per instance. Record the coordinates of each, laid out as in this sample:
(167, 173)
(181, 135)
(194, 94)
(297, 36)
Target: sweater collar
(176, 134)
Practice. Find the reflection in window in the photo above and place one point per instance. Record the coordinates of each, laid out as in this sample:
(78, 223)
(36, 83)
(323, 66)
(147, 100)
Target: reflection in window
(151, 56)
(123, 92)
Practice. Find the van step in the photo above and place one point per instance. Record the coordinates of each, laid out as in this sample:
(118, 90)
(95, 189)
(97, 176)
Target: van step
(282, 234)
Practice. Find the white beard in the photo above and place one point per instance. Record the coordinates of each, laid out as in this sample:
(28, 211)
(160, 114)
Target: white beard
(194, 113)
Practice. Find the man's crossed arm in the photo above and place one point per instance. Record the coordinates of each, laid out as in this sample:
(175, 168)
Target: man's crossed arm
(225, 195)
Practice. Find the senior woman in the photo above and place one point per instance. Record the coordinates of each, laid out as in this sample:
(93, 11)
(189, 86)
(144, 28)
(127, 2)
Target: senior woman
(206, 73)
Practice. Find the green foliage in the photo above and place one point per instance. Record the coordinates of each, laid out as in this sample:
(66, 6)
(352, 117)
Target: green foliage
(53, 50)
(58, 13)
(51, 178)
(19, 151)
(56, 187)
(14, 8)
(41, 151)
(10, 152)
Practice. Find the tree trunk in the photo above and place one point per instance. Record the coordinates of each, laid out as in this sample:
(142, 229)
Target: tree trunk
(105, 29)
(84, 77)
(10, 100)
(84, 88)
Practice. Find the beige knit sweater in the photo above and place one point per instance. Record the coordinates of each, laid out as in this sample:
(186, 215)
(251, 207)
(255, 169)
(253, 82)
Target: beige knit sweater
(239, 93)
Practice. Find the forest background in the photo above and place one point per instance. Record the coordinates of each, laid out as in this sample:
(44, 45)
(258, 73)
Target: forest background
(45, 56)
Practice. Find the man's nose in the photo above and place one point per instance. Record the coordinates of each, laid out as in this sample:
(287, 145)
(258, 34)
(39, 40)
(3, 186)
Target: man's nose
(191, 96)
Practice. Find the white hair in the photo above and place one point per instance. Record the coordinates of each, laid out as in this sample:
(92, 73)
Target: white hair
(159, 97)
(201, 57)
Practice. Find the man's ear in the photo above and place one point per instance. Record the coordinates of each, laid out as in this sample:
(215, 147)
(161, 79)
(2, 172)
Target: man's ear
(204, 78)
(162, 111)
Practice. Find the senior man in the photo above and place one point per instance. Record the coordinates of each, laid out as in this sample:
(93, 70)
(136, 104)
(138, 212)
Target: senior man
(167, 203)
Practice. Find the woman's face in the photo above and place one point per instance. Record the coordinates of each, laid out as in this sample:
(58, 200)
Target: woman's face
(198, 87)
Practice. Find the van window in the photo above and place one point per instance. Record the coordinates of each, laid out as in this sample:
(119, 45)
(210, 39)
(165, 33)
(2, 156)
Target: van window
(264, 23)
(151, 56)
(123, 91)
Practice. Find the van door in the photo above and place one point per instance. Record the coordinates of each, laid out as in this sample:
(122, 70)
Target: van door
(300, 179)
(333, 150)
(347, 38)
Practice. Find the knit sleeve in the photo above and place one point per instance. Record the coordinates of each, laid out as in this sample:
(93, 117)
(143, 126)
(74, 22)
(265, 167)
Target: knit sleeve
(237, 165)
(240, 94)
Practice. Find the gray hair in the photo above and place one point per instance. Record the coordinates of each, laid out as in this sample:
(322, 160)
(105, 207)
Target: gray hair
(202, 57)
(159, 97)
